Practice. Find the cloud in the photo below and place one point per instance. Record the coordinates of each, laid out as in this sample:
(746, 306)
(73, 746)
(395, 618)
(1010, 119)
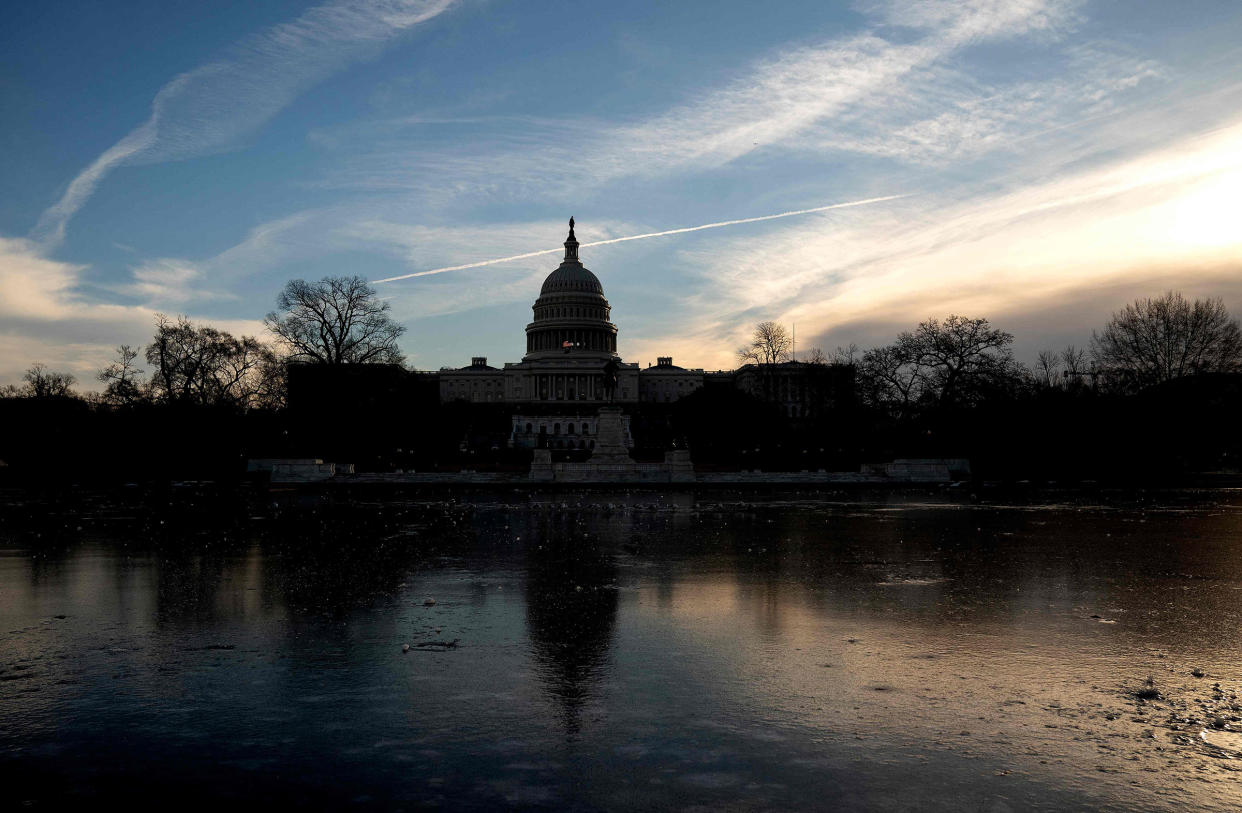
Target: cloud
(869, 83)
(34, 286)
(966, 20)
(212, 107)
(43, 318)
(1132, 226)
(168, 284)
(945, 116)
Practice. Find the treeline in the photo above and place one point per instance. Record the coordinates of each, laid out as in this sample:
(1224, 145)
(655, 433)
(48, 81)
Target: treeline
(196, 401)
(1155, 393)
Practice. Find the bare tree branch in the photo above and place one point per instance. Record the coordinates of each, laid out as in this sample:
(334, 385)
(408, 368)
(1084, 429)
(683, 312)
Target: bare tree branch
(337, 320)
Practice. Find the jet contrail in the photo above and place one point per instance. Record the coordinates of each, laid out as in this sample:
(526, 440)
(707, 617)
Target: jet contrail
(482, 263)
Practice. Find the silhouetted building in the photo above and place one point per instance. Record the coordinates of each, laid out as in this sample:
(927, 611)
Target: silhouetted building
(667, 382)
(568, 345)
(571, 368)
(802, 390)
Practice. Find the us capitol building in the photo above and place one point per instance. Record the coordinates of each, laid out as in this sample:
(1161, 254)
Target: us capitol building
(571, 374)
(571, 366)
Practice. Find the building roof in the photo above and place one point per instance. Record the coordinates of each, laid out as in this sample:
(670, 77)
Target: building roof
(571, 277)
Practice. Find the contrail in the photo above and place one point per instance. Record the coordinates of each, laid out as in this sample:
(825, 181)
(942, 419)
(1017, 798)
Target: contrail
(722, 223)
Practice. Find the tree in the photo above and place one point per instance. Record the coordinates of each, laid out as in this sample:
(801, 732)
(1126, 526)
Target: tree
(121, 377)
(1074, 360)
(769, 344)
(44, 383)
(890, 377)
(1151, 341)
(205, 366)
(337, 320)
(844, 355)
(961, 358)
(816, 355)
(957, 361)
(1064, 369)
(1048, 372)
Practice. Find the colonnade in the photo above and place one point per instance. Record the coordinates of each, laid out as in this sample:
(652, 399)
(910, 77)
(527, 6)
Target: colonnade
(568, 386)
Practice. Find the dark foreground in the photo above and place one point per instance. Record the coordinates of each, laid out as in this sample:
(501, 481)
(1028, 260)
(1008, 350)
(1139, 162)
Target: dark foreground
(869, 653)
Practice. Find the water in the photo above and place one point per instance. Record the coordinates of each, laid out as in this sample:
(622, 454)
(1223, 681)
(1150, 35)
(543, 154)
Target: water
(688, 652)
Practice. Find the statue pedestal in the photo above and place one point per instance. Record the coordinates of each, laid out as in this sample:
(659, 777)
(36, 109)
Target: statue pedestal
(679, 466)
(610, 448)
(541, 466)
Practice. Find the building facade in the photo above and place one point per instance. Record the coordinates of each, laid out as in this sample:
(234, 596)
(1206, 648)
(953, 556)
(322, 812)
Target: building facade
(571, 351)
(570, 347)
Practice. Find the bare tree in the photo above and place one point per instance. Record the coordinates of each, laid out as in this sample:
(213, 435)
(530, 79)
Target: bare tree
(1151, 341)
(961, 357)
(1074, 359)
(337, 320)
(769, 344)
(203, 365)
(845, 355)
(44, 383)
(889, 377)
(816, 355)
(958, 361)
(1048, 371)
(121, 377)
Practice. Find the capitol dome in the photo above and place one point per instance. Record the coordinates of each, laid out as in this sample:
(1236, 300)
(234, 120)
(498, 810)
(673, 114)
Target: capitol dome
(571, 313)
(571, 277)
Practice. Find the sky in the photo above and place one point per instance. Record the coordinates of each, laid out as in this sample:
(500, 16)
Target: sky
(1036, 162)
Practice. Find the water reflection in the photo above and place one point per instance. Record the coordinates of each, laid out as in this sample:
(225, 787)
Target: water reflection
(858, 655)
(571, 608)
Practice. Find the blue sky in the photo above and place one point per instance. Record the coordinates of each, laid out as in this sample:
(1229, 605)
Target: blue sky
(1053, 158)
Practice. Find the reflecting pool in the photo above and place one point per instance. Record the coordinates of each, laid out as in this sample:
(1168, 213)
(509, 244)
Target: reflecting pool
(644, 651)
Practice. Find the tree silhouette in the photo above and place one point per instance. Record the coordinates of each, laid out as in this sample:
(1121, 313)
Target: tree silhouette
(1151, 341)
(337, 320)
(955, 361)
(44, 383)
(769, 344)
(121, 377)
(205, 366)
(816, 355)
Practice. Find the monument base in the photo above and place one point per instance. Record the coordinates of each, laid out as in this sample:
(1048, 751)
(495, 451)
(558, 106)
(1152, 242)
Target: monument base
(610, 461)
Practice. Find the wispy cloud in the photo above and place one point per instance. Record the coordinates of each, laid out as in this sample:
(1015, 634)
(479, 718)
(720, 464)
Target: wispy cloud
(212, 107)
(1133, 225)
(851, 91)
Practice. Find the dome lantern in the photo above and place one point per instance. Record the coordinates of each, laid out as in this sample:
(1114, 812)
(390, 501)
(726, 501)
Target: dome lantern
(571, 245)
